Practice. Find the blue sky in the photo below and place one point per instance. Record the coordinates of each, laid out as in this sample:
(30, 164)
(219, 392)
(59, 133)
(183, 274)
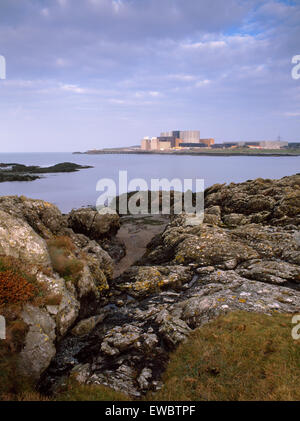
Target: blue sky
(85, 74)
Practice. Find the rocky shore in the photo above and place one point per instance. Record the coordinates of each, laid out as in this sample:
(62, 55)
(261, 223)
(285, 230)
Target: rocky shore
(119, 330)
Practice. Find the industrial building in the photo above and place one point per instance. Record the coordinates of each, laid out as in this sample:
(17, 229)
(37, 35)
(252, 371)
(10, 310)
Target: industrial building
(146, 144)
(292, 145)
(176, 139)
(192, 145)
(181, 139)
(208, 142)
(186, 135)
(264, 144)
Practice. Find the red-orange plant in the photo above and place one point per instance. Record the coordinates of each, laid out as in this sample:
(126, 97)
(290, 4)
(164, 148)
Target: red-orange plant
(14, 288)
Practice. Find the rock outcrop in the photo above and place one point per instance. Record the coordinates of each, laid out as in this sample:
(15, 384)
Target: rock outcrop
(90, 223)
(20, 172)
(245, 256)
(70, 271)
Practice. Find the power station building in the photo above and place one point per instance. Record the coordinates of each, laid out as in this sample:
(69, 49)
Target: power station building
(191, 136)
(176, 139)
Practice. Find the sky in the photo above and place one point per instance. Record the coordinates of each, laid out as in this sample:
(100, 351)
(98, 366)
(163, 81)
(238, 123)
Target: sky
(84, 74)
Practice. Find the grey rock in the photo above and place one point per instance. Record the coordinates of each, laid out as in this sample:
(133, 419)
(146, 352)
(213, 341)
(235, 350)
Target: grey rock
(173, 330)
(92, 224)
(143, 379)
(39, 346)
(87, 325)
(18, 239)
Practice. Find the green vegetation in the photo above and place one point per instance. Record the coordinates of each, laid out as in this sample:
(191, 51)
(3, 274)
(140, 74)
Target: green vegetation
(75, 391)
(64, 262)
(240, 356)
(72, 391)
(11, 384)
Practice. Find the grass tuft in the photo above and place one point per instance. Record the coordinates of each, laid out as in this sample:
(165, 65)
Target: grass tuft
(63, 260)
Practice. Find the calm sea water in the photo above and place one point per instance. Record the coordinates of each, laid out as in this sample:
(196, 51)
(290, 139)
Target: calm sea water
(73, 190)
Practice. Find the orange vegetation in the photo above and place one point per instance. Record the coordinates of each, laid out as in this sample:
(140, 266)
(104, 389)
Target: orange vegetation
(14, 288)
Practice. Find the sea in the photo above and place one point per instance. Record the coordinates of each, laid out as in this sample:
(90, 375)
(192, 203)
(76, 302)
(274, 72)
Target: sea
(77, 189)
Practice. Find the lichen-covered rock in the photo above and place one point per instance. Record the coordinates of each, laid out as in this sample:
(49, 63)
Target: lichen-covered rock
(18, 239)
(211, 246)
(66, 311)
(235, 219)
(143, 379)
(99, 257)
(120, 338)
(25, 225)
(87, 325)
(173, 330)
(274, 201)
(121, 379)
(39, 346)
(270, 242)
(274, 272)
(92, 224)
(142, 281)
(44, 217)
(81, 372)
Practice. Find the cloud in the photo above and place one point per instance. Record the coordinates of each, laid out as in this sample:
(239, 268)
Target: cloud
(203, 45)
(201, 83)
(151, 63)
(73, 88)
(182, 77)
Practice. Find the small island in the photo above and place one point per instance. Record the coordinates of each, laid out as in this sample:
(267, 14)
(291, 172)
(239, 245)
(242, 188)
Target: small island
(20, 172)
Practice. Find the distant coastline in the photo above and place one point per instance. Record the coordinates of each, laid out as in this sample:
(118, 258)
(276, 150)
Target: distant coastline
(223, 152)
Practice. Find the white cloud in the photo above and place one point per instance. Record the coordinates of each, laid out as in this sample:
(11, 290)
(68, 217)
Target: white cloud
(157, 54)
(201, 83)
(73, 88)
(182, 77)
(142, 94)
(203, 45)
(154, 93)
